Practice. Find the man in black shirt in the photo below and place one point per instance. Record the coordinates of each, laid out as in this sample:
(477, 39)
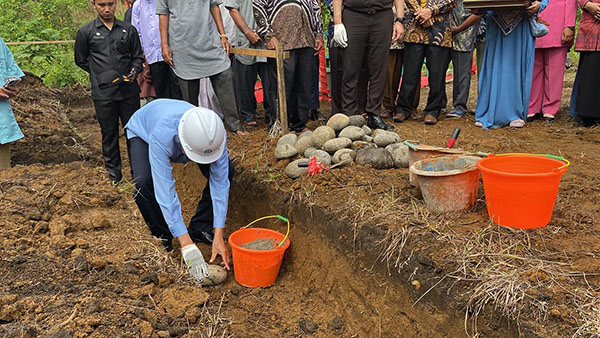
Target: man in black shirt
(109, 50)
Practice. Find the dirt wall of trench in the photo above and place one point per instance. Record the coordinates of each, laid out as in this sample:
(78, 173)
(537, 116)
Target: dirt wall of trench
(325, 262)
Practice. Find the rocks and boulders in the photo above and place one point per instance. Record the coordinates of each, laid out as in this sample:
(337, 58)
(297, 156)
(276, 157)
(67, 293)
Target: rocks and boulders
(285, 151)
(399, 152)
(293, 171)
(345, 140)
(321, 135)
(353, 133)
(336, 144)
(338, 121)
(357, 120)
(378, 158)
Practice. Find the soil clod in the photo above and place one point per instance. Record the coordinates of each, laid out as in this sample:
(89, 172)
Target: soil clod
(308, 325)
(337, 323)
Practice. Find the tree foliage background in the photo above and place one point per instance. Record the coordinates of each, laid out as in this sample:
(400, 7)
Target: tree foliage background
(47, 20)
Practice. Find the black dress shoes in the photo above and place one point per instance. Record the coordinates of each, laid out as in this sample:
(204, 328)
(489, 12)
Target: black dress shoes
(316, 115)
(375, 122)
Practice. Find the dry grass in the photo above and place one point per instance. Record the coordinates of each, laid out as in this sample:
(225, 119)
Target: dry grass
(495, 268)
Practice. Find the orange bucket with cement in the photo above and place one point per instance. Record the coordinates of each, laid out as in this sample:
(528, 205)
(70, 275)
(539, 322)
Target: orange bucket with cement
(448, 183)
(521, 189)
(258, 268)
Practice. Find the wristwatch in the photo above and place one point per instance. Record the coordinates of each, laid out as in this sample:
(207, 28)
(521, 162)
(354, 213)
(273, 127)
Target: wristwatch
(400, 20)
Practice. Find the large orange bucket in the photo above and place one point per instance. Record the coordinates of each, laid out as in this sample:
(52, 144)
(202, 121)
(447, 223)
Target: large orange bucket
(257, 268)
(520, 189)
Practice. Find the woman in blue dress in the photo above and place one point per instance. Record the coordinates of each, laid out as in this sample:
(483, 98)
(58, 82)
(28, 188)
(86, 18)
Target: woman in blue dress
(507, 69)
(9, 130)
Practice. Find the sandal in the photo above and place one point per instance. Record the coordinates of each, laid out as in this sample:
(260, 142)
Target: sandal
(252, 124)
(548, 118)
(478, 124)
(517, 123)
(399, 118)
(532, 117)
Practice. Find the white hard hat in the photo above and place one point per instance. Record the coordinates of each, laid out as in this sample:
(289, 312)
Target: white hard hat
(202, 135)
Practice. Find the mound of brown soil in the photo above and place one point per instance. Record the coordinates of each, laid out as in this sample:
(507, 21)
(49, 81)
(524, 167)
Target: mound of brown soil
(49, 135)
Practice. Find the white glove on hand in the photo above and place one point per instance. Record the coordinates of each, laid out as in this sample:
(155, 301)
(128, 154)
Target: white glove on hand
(339, 35)
(195, 262)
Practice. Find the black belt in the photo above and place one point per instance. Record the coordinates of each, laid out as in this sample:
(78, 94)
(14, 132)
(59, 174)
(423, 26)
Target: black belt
(369, 10)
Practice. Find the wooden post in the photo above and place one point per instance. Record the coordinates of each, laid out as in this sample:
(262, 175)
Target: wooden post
(281, 90)
(279, 55)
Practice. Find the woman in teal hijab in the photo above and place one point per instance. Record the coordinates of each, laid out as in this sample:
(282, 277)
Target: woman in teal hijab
(9, 129)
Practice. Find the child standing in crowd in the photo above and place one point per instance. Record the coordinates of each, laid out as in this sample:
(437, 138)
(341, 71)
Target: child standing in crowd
(463, 43)
(550, 56)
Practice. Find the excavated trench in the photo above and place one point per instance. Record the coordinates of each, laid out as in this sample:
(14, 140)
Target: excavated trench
(328, 274)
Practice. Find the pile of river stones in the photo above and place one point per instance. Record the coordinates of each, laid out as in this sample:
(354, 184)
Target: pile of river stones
(346, 140)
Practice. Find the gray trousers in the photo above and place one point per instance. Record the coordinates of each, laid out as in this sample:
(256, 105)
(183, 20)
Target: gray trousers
(462, 63)
(222, 84)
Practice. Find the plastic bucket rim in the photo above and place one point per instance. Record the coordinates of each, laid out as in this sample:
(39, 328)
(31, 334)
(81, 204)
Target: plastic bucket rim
(453, 172)
(553, 172)
(271, 251)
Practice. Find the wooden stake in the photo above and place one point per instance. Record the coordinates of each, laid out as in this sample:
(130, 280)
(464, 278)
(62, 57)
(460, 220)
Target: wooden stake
(281, 90)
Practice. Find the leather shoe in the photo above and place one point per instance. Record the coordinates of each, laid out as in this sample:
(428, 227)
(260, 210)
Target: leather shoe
(206, 237)
(375, 122)
(430, 119)
(316, 115)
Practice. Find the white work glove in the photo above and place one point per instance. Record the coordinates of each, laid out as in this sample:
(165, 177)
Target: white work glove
(339, 35)
(197, 267)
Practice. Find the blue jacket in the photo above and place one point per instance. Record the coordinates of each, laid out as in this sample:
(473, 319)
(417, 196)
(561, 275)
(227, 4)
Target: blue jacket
(9, 129)
(157, 123)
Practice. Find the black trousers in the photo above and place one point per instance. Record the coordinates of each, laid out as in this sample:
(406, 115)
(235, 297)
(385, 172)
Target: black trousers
(165, 81)
(108, 114)
(298, 76)
(222, 84)
(336, 65)
(146, 200)
(244, 78)
(369, 36)
(437, 64)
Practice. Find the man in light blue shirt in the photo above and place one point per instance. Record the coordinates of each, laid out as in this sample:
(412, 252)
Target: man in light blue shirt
(165, 131)
(145, 20)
